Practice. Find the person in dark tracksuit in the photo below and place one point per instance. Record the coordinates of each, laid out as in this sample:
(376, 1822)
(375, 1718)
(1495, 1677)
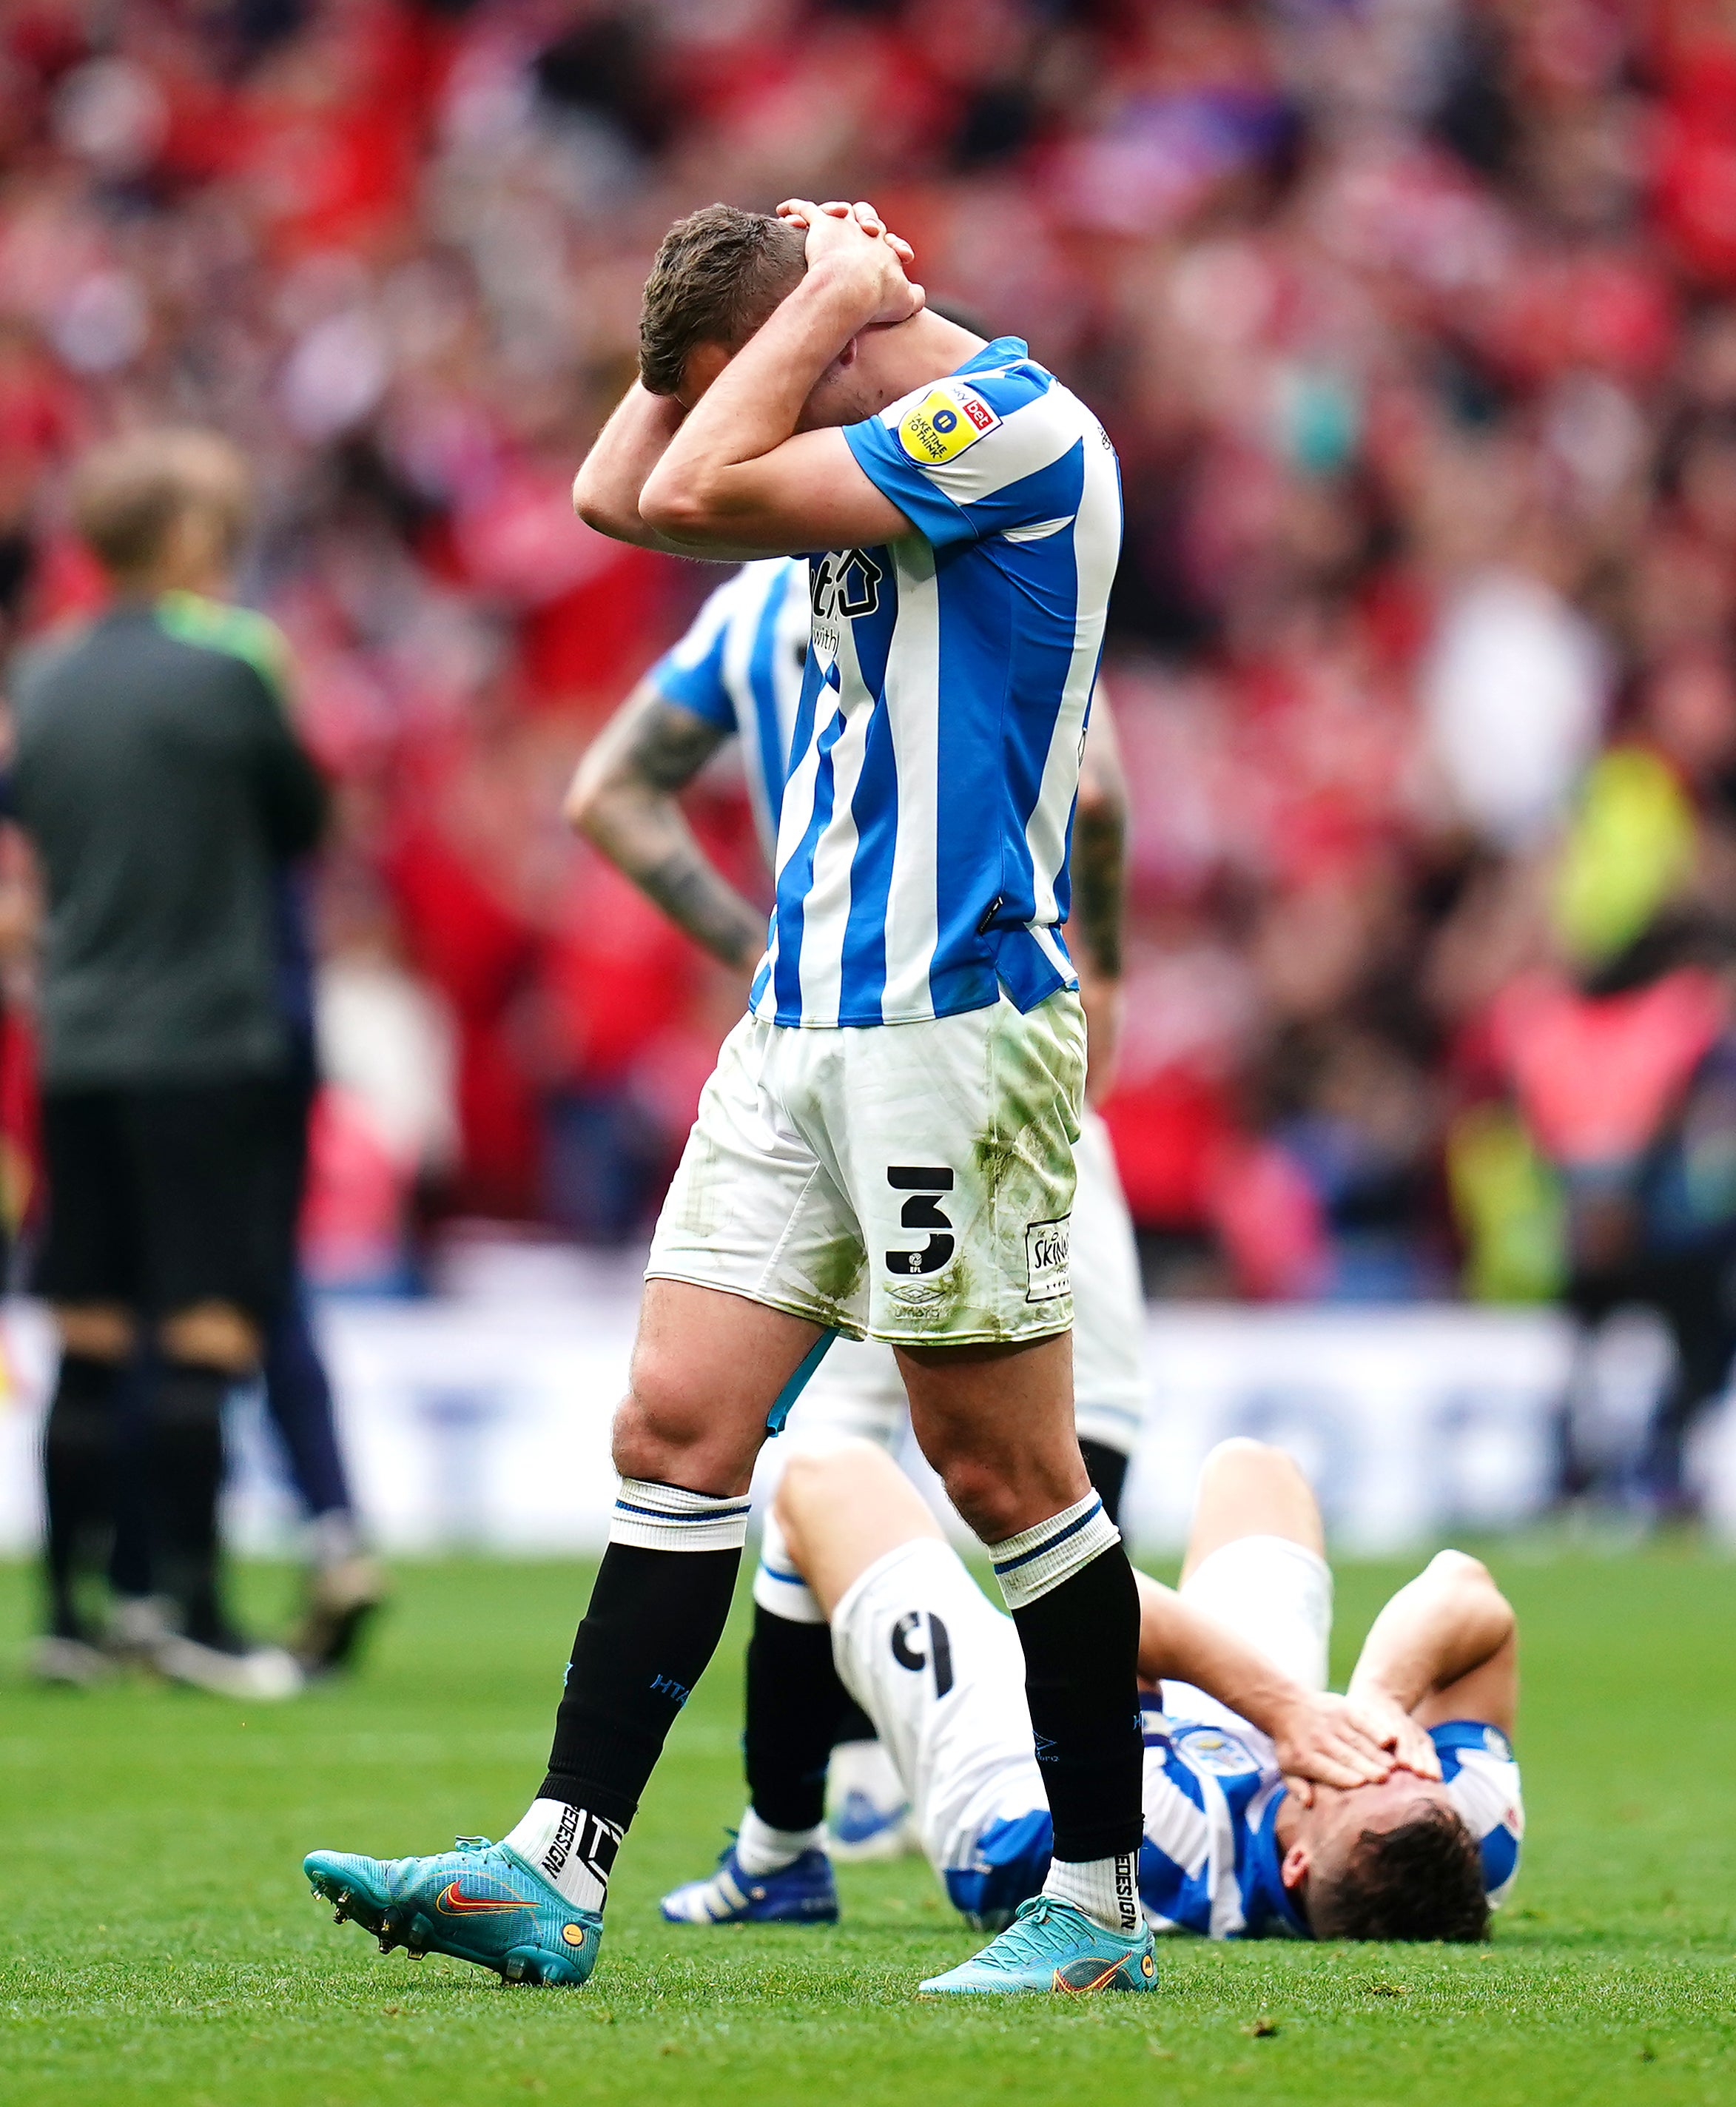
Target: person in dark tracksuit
(163, 788)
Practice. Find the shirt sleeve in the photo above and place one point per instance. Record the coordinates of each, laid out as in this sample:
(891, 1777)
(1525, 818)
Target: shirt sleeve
(691, 672)
(292, 792)
(972, 455)
(1482, 1781)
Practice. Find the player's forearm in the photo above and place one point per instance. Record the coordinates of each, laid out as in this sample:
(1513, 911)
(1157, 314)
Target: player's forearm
(1178, 1644)
(1099, 888)
(1098, 863)
(1445, 1623)
(644, 833)
(606, 490)
(703, 487)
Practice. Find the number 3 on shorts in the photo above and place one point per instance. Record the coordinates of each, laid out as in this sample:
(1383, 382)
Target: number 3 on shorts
(923, 1211)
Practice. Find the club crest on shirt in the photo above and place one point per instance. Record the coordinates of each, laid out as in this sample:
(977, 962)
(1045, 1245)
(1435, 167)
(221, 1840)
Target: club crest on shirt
(1210, 1749)
(946, 421)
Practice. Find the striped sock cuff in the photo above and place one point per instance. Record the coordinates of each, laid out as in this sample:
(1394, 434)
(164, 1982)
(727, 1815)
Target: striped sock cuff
(1036, 1560)
(778, 1587)
(665, 1518)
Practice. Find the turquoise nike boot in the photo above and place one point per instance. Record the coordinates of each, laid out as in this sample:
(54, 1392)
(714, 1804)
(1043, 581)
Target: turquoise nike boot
(480, 1902)
(1050, 1945)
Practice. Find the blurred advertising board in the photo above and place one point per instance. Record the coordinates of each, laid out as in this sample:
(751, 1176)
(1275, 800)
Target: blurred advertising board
(484, 1425)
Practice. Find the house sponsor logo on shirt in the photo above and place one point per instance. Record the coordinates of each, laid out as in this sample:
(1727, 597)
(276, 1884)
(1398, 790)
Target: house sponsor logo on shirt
(946, 421)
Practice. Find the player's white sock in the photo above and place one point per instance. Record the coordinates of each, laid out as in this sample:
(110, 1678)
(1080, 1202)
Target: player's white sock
(760, 1849)
(1037, 1561)
(776, 1586)
(570, 1847)
(1106, 1889)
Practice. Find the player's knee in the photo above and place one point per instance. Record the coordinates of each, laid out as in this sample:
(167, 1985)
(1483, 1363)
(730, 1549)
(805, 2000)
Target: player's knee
(823, 1476)
(983, 1495)
(642, 1445)
(1242, 1461)
(665, 1448)
(1459, 1566)
(95, 1331)
(1241, 1452)
(213, 1335)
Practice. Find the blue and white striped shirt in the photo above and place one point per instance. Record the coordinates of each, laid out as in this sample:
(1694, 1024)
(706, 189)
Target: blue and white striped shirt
(912, 768)
(922, 854)
(1210, 1860)
(740, 667)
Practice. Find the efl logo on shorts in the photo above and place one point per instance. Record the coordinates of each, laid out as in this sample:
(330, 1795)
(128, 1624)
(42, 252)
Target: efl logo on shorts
(1048, 1250)
(946, 421)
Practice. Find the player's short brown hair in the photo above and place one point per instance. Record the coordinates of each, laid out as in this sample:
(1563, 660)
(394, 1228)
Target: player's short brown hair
(718, 274)
(1421, 1881)
(128, 494)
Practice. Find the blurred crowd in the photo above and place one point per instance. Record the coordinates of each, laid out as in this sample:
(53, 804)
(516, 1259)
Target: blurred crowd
(1414, 322)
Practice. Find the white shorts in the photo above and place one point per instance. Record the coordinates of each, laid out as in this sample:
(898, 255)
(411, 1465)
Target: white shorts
(1274, 1593)
(858, 1389)
(939, 1671)
(908, 1182)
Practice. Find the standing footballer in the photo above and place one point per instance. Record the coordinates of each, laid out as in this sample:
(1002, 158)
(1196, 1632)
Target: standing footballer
(738, 671)
(887, 1146)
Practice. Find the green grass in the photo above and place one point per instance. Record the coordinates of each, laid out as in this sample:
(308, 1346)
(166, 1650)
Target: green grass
(159, 1943)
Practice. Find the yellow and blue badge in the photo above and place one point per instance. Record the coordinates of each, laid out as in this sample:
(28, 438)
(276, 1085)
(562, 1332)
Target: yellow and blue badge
(946, 421)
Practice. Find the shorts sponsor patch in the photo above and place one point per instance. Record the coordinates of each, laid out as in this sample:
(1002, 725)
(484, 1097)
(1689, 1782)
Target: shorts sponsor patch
(1048, 1253)
(946, 421)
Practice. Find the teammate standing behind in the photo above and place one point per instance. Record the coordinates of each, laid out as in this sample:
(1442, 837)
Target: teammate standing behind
(885, 1148)
(162, 787)
(739, 672)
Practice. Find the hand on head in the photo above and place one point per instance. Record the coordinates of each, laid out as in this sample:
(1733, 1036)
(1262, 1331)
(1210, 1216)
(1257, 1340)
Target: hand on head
(1393, 1728)
(856, 234)
(1326, 1740)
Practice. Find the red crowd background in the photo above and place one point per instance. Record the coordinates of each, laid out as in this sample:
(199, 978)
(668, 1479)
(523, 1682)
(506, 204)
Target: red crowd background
(1414, 322)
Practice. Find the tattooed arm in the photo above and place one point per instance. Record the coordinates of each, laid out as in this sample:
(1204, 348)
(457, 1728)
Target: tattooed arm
(1098, 868)
(623, 800)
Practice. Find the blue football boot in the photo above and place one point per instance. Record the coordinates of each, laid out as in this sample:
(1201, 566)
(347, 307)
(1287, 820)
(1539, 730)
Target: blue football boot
(804, 1893)
(1050, 1945)
(480, 1902)
(868, 1813)
(858, 1830)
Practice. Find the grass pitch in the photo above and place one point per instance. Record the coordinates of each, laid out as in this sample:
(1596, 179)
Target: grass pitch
(158, 1944)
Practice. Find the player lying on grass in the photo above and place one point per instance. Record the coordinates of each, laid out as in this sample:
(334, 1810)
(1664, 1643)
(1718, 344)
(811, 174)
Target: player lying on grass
(1262, 1813)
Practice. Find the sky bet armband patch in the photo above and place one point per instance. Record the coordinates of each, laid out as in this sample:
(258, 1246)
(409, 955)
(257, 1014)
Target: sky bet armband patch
(948, 419)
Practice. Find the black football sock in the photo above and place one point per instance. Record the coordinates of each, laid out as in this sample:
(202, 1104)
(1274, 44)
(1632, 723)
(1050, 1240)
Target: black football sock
(78, 1483)
(653, 1623)
(1081, 1641)
(657, 1612)
(183, 1477)
(1073, 1599)
(854, 1723)
(1106, 1468)
(797, 1711)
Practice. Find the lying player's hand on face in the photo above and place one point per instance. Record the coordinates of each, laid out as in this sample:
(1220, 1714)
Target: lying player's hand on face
(1394, 1728)
(1326, 1742)
(835, 231)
